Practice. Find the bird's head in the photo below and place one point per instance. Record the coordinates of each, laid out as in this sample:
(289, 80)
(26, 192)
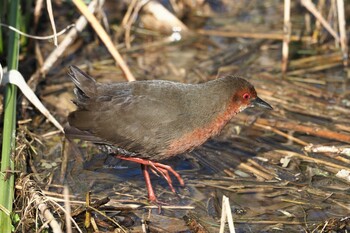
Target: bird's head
(245, 96)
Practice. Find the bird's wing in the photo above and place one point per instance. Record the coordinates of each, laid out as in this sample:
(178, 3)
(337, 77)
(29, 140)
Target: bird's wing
(132, 118)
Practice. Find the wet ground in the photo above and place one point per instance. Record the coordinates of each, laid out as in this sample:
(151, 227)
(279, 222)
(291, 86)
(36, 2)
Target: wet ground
(259, 160)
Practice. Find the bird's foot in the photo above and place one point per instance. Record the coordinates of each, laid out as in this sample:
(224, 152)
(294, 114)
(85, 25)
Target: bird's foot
(164, 171)
(157, 168)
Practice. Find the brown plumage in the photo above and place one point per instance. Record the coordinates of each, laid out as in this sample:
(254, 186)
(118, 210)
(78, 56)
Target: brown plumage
(154, 120)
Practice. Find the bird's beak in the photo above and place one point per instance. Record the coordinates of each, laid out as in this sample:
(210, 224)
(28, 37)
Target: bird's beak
(257, 102)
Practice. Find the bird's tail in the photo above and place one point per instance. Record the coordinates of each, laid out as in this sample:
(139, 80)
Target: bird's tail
(85, 85)
(85, 92)
(73, 133)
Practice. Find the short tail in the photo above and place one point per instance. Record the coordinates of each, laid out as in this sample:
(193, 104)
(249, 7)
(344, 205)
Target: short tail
(74, 133)
(85, 85)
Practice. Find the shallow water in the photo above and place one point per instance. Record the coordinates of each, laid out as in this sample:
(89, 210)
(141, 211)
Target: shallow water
(297, 197)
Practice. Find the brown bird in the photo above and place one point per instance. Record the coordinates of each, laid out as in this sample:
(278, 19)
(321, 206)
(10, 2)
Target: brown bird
(147, 121)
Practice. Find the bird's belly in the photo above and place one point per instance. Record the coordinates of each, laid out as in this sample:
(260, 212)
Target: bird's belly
(199, 135)
(188, 142)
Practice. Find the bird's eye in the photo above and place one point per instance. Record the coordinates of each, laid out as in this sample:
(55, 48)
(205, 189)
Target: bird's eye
(246, 96)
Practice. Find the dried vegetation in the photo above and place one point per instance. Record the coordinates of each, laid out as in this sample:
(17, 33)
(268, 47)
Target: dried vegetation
(286, 170)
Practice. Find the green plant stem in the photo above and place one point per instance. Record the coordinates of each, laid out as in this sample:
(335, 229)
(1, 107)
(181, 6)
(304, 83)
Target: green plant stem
(1, 41)
(3, 4)
(9, 128)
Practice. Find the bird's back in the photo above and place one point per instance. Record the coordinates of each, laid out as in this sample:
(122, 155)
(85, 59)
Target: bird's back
(143, 118)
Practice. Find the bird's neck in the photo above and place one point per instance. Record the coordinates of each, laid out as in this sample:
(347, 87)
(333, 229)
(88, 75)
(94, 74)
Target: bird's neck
(223, 118)
(201, 134)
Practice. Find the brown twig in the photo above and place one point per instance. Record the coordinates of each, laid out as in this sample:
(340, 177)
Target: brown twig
(315, 160)
(64, 164)
(105, 38)
(269, 36)
(60, 49)
(316, 131)
(136, 6)
(279, 132)
(255, 171)
(125, 23)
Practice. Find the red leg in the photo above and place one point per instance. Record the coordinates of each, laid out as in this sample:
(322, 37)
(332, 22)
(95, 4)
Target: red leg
(158, 167)
(151, 195)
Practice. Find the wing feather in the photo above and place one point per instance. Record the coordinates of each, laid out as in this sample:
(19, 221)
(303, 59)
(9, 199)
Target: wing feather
(131, 116)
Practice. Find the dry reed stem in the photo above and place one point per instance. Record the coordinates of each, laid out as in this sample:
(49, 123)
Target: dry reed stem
(38, 54)
(328, 149)
(342, 31)
(61, 48)
(315, 160)
(317, 31)
(68, 210)
(125, 22)
(311, 60)
(164, 16)
(105, 38)
(226, 214)
(270, 36)
(35, 198)
(87, 221)
(16, 78)
(279, 132)
(316, 131)
(270, 172)
(340, 204)
(107, 217)
(52, 20)
(94, 225)
(313, 69)
(270, 222)
(72, 220)
(133, 18)
(65, 159)
(287, 29)
(37, 11)
(45, 211)
(139, 206)
(311, 7)
(255, 171)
